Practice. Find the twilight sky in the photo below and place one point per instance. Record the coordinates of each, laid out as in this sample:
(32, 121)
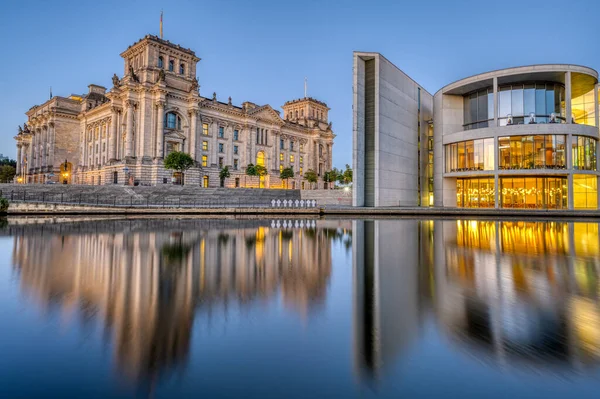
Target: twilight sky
(260, 51)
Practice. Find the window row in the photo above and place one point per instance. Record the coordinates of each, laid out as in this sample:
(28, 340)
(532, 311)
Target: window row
(525, 192)
(479, 109)
(161, 62)
(532, 152)
(517, 104)
(470, 155)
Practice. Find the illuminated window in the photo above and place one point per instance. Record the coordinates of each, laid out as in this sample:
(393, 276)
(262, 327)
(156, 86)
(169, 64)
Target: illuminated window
(585, 192)
(584, 153)
(205, 182)
(584, 109)
(475, 193)
(204, 161)
(301, 147)
(280, 168)
(281, 156)
(260, 158)
(301, 160)
(205, 129)
(533, 192)
(205, 146)
(301, 170)
(291, 158)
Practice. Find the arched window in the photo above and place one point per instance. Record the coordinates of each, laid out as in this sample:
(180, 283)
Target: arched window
(296, 114)
(173, 121)
(205, 181)
(260, 158)
(171, 66)
(181, 69)
(160, 62)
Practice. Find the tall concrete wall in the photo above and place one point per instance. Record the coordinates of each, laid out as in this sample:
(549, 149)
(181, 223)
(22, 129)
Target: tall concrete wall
(397, 127)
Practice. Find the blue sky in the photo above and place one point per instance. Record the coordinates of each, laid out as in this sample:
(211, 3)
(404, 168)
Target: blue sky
(260, 51)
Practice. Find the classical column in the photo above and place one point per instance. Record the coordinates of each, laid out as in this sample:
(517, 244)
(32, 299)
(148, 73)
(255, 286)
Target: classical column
(160, 128)
(112, 140)
(495, 95)
(30, 156)
(277, 152)
(52, 141)
(193, 113)
(230, 146)
(129, 130)
(44, 140)
(18, 159)
(252, 137)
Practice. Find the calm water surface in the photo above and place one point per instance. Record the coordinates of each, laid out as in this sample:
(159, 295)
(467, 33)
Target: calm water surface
(168, 308)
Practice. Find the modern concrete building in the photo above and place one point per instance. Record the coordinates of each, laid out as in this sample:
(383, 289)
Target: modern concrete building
(523, 137)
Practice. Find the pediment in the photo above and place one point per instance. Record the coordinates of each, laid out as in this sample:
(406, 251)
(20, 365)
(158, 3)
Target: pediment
(174, 134)
(267, 114)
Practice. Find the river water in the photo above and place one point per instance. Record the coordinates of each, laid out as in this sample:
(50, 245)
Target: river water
(218, 308)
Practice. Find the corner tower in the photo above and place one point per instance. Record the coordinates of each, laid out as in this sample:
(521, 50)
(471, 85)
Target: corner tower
(305, 109)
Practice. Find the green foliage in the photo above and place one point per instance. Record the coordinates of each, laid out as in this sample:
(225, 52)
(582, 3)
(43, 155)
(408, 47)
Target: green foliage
(10, 162)
(251, 170)
(260, 170)
(224, 174)
(345, 177)
(311, 176)
(3, 205)
(7, 173)
(287, 173)
(179, 161)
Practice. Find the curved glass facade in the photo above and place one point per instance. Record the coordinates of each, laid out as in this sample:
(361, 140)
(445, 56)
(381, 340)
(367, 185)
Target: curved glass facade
(531, 103)
(532, 152)
(475, 192)
(585, 191)
(583, 108)
(584, 153)
(479, 109)
(470, 155)
(534, 192)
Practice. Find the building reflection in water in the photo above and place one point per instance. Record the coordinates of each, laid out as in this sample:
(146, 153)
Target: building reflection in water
(512, 293)
(147, 287)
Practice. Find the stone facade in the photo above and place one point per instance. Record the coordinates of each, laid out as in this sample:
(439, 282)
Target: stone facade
(121, 136)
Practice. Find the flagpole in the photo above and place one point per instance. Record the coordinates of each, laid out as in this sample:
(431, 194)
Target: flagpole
(161, 24)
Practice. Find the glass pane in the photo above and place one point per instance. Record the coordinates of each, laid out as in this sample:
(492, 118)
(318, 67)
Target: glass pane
(517, 101)
(478, 157)
(490, 106)
(470, 155)
(549, 99)
(504, 152)
(462, 162)
(482, 106)
(539, 152)
(488, 154)
(529, 100)
(528, 152)
(540, 100)
(473, 107)
(504, 103)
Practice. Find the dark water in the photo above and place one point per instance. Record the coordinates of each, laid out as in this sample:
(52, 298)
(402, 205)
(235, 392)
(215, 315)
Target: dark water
(169, 308)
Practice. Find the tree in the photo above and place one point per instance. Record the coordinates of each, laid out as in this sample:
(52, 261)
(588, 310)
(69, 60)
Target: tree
(7, 173)
(224, 174)
(250, 171)
(345, 177)
(178, 161)
(10, 162)
(260, 171)
(330, 176)
(287, 173)
(311, 176)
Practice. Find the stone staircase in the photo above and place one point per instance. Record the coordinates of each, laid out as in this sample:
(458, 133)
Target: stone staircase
(152, 195)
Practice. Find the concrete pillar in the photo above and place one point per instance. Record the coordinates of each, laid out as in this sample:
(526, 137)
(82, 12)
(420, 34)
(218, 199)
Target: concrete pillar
(112, 140)
(160, 129)
(568, 97)
(495, 88)
(193, 114)
(129, 130)
(230, 146)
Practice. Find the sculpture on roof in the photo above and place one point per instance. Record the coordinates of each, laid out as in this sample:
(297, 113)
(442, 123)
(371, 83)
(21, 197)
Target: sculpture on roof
(229, 102)
(133, 75)
(214, 96)
(25, 128)
(195, 85)
(115, 80)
